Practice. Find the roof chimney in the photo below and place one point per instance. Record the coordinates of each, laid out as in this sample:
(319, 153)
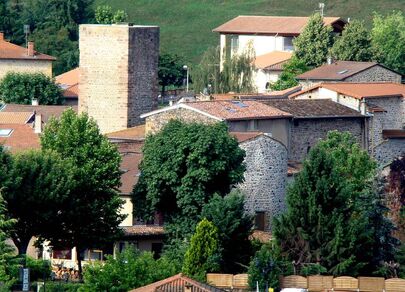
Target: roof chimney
(30, 49)
(34, 101)
(1, 36)
(38, 124)
(329, 60)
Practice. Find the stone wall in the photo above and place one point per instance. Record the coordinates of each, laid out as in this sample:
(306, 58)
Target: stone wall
(375, 74)
(305, 133)
(25, 66)
(156, 122)
(265, 176)
(118, 79)
(388, 150)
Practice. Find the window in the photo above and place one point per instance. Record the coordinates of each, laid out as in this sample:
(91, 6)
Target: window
(234, 43)
(5, 132)
(260, 220)
(288, 44)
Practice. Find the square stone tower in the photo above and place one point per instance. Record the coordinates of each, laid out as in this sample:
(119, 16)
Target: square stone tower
(118, 73)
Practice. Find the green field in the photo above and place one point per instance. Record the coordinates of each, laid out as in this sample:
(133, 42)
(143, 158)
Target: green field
(186, 26)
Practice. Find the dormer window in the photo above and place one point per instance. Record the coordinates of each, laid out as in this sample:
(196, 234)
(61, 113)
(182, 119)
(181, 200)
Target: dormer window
(5, 132)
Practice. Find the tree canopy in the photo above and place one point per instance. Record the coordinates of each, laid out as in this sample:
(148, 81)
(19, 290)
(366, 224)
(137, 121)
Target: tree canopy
(105, 15)
(312, 45)
(171, 71)
(183, 166)
(291, 69)
(22, 88)
(91, 215)
(354, 44)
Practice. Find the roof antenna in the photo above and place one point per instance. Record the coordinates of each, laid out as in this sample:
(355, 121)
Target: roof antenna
(27, 32)
(321, 8)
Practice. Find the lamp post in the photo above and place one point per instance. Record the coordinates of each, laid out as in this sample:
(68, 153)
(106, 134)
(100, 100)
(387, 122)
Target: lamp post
(185, 67)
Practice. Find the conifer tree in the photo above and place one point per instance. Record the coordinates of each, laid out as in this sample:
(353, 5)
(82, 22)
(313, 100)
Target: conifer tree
(312, 45)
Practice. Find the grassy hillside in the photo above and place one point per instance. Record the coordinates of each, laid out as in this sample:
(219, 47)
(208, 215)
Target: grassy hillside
(186, 24)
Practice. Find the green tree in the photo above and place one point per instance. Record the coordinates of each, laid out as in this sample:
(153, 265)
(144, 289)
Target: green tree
(388, 40)
(328, 217)
(354, 44)
(202, 256)
(127, 270)
(234, 228)
(291, 70)
(36, 194)
(171, 71)
(207, 72)
(24, 87)
(312, 45)
(183, 166)
(105, 15)
(91, 216)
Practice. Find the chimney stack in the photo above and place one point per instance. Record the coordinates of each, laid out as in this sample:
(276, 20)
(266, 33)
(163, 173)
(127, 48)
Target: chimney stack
(1, 36)
(34, 101)
(30, 49)
(329, 60)
(38, 124)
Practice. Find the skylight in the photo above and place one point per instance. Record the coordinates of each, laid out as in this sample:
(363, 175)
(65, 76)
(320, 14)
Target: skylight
(239, 103)
(5, 132)
(343, 71)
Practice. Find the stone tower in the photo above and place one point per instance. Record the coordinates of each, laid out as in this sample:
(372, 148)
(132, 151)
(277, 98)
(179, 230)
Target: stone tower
(118, 73)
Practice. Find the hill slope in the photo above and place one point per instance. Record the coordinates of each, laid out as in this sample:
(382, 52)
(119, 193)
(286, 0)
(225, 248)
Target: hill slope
(186, 25)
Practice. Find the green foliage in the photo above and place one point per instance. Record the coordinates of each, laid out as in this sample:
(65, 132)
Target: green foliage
(203, 254)
(291, 69)
(312, 269)
(60, 287)
(266, 268)
(38, 268)
(104, 15)
(388, 40)
(128, 270)
(234, 229)
(24, 87)
(354, 44)
(183, 166)
(207, 72)
(91, 217)
(312, 45)
(332, 216)
(35, 196)
(171, 71)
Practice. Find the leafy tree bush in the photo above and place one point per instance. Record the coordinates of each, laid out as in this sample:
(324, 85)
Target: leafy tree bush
(105, 15)
(171, 71)
(24, 87)
(291, 69)
(92, 216)
(333, 217)
(128, 270)
(234, 228)
(38, 268)
(183, 166)
(354, 44)
(203, 254)
(60, 287)
(312, 45)
(388, 40)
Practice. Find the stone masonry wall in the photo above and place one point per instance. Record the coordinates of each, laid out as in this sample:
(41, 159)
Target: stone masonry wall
(388, 150)
(375, 74)
(156, 122)
(118, 77)
(265, 176)
(25, 66)
(305, 133)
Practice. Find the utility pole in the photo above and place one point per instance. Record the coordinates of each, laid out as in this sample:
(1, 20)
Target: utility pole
(185, 67)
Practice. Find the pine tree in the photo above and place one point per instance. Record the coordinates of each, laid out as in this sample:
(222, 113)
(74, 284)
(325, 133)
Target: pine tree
(354, 44)
(312, 45)
(202, 256)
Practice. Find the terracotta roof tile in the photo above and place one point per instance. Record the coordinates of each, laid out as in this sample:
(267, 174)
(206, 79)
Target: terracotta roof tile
(46, 111)
(281, 25)
(238, 110)
(130, 168)
(339, 70)
(21, 138)
(313, 108)
(12, 51)
(69, 82)
(360, 90)
(137, 132)
(270, 60)
(15, 117)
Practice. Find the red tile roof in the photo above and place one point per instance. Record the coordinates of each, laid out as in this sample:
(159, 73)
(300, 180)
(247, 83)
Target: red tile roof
(360, 90)
(238, 110)
(15, 117)
(130, 171)
(338, 71)
(12, 51)
(281, 25)
(273, 60)
(69, 82)
(137, 132)
(46, 111)
(22, 137)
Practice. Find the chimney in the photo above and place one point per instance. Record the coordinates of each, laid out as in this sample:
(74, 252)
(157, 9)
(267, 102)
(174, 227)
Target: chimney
(1, 36)
(38, 124)
(30, 49)
(34, 102)
(329, 60)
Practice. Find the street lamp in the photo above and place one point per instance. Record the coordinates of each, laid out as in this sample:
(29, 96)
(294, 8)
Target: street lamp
(185, 67)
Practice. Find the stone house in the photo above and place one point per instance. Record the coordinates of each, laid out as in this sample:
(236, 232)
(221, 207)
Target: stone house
(349, 71)
(14, 58)
(382, 102)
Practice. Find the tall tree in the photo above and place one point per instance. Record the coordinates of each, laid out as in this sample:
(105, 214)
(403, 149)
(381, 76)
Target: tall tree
(171, 71)
(234, 228)
(91, 216)
(291, 69)
(183, 166)
(354, 44)
(328, 219)
(105, 15)
(35, 195)
(388, 40)
(22, 88)
(312, 45)
(202, 256)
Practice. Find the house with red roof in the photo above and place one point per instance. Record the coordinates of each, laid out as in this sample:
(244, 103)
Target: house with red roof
(69, 83)
(14, 58)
